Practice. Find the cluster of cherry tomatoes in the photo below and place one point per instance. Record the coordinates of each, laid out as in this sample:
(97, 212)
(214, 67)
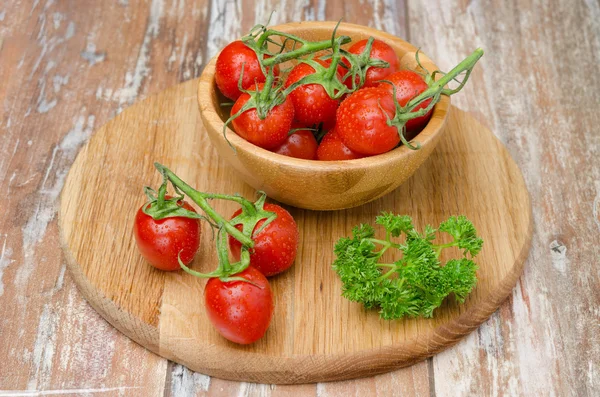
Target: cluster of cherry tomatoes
(310, 123)
(238, 298)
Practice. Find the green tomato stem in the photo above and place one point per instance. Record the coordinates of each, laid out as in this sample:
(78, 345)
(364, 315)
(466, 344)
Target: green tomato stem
(264, 94)
(223, 252)
(305, 49)
(266, 35)
(438, 86)
(200, 199)
(246, 204)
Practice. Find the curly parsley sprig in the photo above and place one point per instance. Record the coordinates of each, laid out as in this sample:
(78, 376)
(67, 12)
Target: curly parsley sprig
(417, 283)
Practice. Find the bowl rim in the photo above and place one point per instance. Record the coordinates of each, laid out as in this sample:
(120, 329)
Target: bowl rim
(210, 114)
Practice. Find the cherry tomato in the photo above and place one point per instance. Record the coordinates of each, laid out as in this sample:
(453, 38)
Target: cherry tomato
(362, 121)
(229, 68)
(332, 148)
(240, 311)
(379, 50)
(275, 246)
(408, 85)
(312, 104)
(268, 133)
(301, 144)
(160, 241)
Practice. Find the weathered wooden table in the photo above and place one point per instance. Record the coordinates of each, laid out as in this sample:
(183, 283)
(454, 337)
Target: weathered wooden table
(66, 67)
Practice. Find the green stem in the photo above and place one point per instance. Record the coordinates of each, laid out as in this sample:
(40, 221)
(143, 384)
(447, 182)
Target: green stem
(447, 245)
(335, 60)
(268, 33)
(438, 248)
(386, 275)
(246, 204)
(264, 94)
(307, 48)
(377, 241)
(391, 265)
(200, 199)
(438, 86)
(223, 252)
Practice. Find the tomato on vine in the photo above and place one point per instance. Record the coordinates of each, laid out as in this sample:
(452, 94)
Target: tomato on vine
(312, 103)
(408, 84)
(362, 121)
(380, 51)
(161, 241)
(228, 69)
(268, 132)
(275, 245)
(241, 311)
(238, 298)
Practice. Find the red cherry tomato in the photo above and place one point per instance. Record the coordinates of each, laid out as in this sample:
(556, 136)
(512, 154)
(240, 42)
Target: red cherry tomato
(362, 121)
(229, 68)
(268, 133)
(408, 85)
(160, 241)
(332, 148)
(301, 144)
(379, 50)
(240, 311)
(312, 104)
(275, 247)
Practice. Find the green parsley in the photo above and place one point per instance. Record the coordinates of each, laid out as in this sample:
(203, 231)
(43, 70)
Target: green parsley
(417, 283)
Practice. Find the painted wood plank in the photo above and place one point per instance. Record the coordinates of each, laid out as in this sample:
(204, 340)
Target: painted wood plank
(534, 88)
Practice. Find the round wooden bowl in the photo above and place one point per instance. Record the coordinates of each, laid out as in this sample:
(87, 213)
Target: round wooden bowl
(321, 185)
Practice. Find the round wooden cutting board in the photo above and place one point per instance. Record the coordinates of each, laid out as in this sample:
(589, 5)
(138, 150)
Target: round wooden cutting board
(315, 335)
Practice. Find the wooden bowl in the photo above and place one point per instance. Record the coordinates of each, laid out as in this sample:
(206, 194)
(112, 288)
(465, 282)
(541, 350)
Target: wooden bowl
(321, 185)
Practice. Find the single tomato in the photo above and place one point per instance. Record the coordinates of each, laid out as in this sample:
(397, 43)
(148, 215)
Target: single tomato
(240, 311)
(332, 148)
(269, 132)
(161, 241)
(229, 68)
(275, 246)
(362, 121)
(408, 85)
(301, 144)
(381, 51)
(312, 104)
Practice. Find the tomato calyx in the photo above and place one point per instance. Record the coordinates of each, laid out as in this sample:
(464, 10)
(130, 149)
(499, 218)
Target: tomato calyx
(160, 207)
(359, 65)
(436, 89)
(249, 217)
(226, 271)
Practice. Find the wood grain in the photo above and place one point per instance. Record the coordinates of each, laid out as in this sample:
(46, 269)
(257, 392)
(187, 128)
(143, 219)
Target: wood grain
(528, 89)
(316, 335)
